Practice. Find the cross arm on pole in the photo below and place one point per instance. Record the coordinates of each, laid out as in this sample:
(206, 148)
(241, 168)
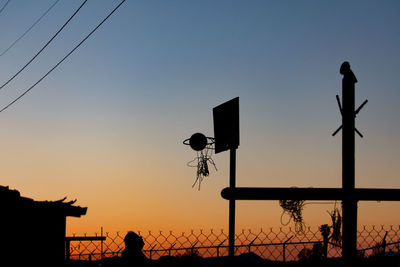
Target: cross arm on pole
(340, 128)
(355, 114)
(339, 104)
(337, 130)
(278, 193)
(360, 107)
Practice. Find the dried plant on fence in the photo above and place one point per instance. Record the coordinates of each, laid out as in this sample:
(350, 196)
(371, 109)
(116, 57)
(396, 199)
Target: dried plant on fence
(336, 235)
(293, 208)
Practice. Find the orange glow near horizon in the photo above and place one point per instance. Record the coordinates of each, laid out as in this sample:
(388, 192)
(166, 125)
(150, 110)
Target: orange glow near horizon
(160, 197)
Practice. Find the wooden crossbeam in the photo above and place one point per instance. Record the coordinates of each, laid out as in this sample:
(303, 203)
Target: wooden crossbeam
(309, 193)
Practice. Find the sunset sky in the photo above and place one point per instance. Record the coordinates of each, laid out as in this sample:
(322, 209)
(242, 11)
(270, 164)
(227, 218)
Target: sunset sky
(106, 127)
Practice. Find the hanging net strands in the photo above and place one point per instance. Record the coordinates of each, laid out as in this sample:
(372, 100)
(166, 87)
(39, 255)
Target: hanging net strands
(204, 146)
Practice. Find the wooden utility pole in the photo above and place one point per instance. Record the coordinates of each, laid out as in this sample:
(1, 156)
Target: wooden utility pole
(349, 203)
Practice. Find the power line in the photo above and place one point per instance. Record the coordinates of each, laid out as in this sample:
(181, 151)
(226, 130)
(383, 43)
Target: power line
(80, 43)
(40, 51)
(30, 28)
(1, 10)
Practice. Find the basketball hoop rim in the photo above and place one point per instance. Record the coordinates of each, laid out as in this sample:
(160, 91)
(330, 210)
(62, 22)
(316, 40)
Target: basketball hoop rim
(210, 141)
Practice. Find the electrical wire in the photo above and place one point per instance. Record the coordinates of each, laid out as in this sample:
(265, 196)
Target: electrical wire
(30, 28)
(55, 66)
(1, 10)
(41, 50)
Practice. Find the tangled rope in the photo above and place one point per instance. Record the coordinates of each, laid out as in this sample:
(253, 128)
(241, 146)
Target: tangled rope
(294, 209)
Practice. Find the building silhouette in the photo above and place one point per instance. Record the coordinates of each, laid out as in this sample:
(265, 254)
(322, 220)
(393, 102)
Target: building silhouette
(33, 232)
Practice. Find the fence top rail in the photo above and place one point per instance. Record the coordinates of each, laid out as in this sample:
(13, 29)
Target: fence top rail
(207, 247)
(85, 238)
(379, 246)
(236, 246)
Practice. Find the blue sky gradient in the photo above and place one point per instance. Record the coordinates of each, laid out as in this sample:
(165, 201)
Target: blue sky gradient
(107, 126)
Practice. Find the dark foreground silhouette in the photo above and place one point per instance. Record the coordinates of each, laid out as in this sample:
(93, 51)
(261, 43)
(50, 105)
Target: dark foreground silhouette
(133, 255)
(246, 259)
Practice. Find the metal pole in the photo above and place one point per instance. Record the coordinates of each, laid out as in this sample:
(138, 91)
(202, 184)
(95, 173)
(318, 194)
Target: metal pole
(284, 248)
(232, 206)
(101, 243)
(284, 252)
(220, 244)
(349, 204)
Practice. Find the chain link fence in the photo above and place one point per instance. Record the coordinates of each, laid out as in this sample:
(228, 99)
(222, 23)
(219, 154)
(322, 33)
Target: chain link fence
(282, 244)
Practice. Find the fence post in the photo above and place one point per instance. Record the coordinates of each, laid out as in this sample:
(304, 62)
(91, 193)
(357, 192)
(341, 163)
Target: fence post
(220, 244)
(251, 243)
(383, 245)
(325, 251)
(325, 231)
(284, 248)
(151, 251)
(101, 243)
(169, 250)
(192, 248)
(284, 252)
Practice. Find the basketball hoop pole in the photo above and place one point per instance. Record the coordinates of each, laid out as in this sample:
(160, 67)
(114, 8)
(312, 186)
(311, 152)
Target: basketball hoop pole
(232, 204)
(226, 134)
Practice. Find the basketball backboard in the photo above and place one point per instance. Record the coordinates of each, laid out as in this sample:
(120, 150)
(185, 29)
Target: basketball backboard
(226, 125)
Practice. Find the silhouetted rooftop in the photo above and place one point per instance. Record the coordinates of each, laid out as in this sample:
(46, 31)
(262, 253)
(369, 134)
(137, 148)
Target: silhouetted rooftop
(14, 199)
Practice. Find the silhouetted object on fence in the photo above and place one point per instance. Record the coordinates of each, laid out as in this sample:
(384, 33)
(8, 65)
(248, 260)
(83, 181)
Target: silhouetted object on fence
(33, 232)
(325, 231)
(314, 255)
(133, 255)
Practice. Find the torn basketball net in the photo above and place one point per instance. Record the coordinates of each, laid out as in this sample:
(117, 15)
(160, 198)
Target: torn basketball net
(202, 161)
